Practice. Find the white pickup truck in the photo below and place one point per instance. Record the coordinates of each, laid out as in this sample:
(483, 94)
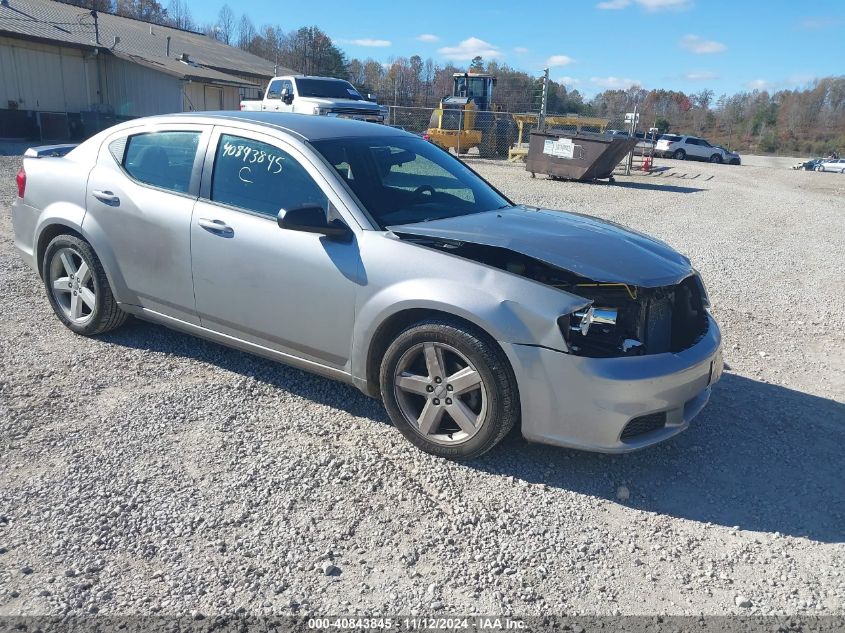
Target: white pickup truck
(321, 96)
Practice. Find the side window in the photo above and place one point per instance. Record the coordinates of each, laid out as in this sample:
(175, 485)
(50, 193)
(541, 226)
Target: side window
(162, 159)
(259, 177)
(274, 91)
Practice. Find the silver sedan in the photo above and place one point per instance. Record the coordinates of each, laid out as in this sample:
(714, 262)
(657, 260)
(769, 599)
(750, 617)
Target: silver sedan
(368, 255)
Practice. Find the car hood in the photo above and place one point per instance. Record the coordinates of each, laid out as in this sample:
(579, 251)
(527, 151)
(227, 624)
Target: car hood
(598, 250)
(342, 103)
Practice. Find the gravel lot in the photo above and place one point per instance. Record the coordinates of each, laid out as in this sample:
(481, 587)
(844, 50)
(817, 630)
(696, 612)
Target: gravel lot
(150, 472)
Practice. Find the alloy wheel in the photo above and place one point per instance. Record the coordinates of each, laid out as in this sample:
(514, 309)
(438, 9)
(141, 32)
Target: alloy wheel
(440, 393)
(72, 285)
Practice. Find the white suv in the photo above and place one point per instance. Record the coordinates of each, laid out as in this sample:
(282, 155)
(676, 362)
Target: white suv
(691, 147)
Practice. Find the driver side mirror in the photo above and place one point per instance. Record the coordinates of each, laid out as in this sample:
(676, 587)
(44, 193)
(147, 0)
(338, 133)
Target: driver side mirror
(286, 96)
(311, 218)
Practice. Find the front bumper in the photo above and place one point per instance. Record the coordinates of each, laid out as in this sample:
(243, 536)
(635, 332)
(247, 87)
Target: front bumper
(586, 403)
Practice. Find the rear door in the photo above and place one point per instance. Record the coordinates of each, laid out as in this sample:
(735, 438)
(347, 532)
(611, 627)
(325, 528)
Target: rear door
(140, 197)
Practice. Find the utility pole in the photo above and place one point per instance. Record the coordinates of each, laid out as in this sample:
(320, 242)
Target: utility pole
(544, 98)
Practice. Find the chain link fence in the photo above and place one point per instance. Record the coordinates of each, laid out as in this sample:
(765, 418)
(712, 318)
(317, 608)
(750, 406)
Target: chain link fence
(505, 135)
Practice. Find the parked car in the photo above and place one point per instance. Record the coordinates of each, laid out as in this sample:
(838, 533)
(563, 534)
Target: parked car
(683, 147)
(368, 255)
(808, 165)
(729, 157)
(322, 96)
(836, 165)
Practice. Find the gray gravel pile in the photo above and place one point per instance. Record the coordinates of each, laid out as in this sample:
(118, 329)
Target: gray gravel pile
(146, 471)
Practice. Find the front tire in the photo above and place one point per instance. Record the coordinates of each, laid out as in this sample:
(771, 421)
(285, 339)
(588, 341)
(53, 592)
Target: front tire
(679, 154)
(77, 287)
(449, 389)
(715, 158)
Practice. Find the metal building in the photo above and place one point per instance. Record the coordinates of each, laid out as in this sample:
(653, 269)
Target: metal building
(67, 72)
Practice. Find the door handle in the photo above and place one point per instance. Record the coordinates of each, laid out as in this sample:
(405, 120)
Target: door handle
(107, 197)
(216, 226)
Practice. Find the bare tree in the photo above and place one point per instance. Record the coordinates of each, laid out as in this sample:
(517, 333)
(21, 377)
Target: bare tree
(225, 27)
(179, 15)
(246, 33)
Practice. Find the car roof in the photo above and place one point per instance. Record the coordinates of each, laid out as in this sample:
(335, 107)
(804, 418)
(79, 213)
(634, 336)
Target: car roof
(308, 127)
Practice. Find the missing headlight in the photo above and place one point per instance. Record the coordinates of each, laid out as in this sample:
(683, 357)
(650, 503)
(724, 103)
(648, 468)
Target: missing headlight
(628, 321)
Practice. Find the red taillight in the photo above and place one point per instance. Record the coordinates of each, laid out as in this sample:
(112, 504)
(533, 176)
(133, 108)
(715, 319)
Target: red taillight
(242, 106)
(21, 180)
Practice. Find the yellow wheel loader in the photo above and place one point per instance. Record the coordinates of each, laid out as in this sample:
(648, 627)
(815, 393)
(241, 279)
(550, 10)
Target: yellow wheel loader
(468, 119)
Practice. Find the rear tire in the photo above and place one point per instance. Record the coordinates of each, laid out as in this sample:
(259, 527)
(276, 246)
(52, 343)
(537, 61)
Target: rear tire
(449, 389)
(679, 154)
(77, 287)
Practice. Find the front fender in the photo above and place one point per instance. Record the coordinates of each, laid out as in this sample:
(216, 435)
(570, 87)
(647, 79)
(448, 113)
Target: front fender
(403, 276)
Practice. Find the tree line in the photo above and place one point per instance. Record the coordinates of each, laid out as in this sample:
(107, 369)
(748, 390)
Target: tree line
(807, 121)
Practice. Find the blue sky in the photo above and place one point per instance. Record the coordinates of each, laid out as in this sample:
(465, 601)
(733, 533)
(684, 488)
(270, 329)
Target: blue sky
(725, 45)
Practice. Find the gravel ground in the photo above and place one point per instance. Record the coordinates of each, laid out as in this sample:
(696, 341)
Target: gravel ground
(150, 472)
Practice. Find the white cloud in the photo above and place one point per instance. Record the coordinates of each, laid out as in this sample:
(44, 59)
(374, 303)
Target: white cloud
(368, 42)
(662, 5)
(648, 5)
(428, 37)
(520, 50)
(819, 23)
(615, 83)
(469, 48)
(801, 79)
(759, 84)
(568, 81)
(559, 60)
(701, 75)
(700, 46)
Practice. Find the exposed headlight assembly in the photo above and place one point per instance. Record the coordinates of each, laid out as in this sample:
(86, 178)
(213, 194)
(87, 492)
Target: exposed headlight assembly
(705, 298)
(606, 316)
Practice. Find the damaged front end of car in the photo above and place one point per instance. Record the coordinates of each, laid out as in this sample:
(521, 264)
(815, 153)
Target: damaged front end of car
(621, 318)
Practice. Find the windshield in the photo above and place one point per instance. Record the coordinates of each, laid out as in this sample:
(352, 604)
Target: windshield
(332, 89)
(404, 179)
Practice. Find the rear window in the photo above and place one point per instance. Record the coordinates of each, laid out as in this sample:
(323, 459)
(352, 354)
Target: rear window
(327, 88)
(670, 137)
(162, 159)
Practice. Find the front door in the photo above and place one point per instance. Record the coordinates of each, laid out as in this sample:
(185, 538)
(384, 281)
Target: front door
(141, 194)
(289, 291)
